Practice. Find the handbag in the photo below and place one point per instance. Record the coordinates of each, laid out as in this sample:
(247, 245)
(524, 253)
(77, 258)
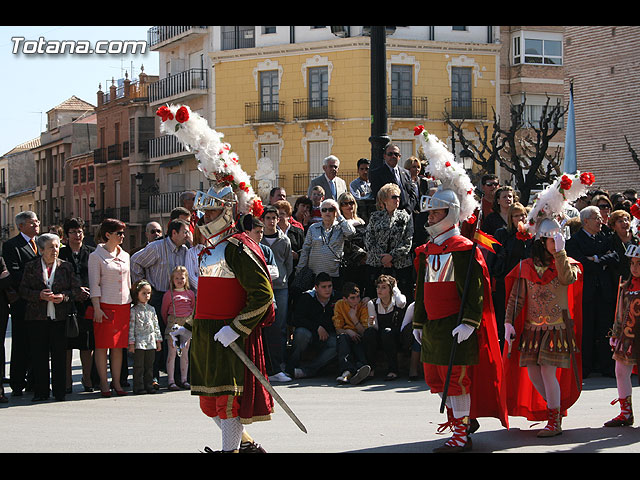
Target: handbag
(71, 328)
(304, 279)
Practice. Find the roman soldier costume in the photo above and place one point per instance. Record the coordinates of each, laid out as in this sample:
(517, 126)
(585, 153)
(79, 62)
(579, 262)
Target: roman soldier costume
(444, 266)
(625, 331)
(235, 295)
(543, 321)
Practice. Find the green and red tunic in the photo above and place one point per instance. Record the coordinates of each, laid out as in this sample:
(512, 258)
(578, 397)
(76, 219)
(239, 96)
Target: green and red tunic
(234, 288)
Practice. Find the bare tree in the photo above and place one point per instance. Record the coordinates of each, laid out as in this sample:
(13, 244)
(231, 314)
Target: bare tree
(522, 148)
(634, 154)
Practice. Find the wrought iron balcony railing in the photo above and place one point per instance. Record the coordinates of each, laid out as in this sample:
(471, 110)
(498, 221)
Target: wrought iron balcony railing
(194, 80)
(258, 112)
(407, 107)
(308, 109)
(472, 109)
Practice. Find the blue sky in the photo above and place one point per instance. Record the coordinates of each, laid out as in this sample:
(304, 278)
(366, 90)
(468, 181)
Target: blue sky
(31, 84)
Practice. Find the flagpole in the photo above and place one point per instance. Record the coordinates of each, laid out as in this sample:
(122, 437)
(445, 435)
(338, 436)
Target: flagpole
(570, 157)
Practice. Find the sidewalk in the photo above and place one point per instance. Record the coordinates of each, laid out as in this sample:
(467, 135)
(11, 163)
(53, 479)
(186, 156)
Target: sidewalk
(373, 417)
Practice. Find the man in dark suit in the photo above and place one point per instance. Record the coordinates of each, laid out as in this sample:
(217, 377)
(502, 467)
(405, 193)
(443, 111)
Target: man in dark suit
(593, 249)
(332, 184)
(391, 172)
(17, 251)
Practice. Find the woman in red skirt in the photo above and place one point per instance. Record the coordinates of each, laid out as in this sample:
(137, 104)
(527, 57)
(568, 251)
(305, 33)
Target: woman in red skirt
(110, 284)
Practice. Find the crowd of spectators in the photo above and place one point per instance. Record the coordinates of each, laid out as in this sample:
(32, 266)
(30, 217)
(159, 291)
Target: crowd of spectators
(341, 262)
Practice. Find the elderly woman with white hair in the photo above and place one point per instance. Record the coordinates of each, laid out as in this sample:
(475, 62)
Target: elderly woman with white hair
(50, 287)
(323, 246)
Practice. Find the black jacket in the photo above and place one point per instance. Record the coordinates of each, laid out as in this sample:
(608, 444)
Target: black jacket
(383, 175)
(598, 283)
(309, 313)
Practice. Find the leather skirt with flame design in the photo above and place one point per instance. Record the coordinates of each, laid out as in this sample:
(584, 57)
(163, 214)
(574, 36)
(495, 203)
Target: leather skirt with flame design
(545, 339)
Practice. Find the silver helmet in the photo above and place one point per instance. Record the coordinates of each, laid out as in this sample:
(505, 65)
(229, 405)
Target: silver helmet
(223, 199)
(548, 228)
(443, 198)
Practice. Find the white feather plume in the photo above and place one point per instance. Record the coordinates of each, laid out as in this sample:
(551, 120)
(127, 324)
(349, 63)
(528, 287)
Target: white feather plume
(551, 202)
(443, 166)
(215, 159)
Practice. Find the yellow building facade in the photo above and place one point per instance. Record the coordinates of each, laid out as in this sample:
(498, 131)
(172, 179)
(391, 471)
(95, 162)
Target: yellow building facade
(266, 100)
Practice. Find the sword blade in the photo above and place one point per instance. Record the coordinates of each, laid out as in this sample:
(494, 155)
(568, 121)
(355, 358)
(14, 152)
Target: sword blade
(265, 383)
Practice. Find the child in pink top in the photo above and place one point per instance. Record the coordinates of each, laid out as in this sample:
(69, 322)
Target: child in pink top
(178, 305)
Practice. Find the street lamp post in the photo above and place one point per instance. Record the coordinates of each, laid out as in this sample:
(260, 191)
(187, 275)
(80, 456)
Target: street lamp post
(379, 137)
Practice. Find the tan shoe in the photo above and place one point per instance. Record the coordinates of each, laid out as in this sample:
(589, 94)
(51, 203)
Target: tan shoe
(554, 424)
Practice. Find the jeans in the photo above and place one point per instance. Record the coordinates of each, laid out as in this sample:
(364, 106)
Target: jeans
(302, 340)
(275, 336)
(353, 355)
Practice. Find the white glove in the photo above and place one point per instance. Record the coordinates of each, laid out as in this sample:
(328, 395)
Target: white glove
(509, 333)
(226, 335)
(180, 335)
(463, 331)
(417, 334)
(559, 241)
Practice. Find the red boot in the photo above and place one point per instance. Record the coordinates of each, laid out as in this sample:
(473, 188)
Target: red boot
(554, 424)
(460, 441)
(626, 413)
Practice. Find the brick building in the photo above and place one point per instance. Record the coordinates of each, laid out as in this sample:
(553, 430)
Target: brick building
(125, 123)
(602, 62)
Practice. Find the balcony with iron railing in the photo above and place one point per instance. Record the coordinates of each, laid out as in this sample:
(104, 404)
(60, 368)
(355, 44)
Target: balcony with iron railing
(120, 213)
(194, 81)
(259, 112)
(163, 203)
(407, 107)
(472, 109)
(239, 38)
(165, 146)
(135, 90)
(309, 109)
(301, 181)
(111, 153)
(161, 36)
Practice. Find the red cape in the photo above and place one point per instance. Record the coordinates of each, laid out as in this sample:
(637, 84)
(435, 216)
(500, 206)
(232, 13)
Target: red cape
(487, 399)
(523, 400)
(256, 401)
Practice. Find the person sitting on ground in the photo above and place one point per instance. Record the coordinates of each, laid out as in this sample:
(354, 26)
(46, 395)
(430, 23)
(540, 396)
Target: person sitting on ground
(351, 321)
(312, 321)
(385, 314)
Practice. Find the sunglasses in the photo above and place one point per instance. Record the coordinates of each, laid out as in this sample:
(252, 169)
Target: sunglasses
(155, 231)
(343, 204)
(121, 233)
(392, 154)
(603, 207)
(492, 184)
(325, 210)
(395, 197)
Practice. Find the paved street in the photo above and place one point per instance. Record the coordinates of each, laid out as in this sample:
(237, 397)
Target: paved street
(374, 417)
